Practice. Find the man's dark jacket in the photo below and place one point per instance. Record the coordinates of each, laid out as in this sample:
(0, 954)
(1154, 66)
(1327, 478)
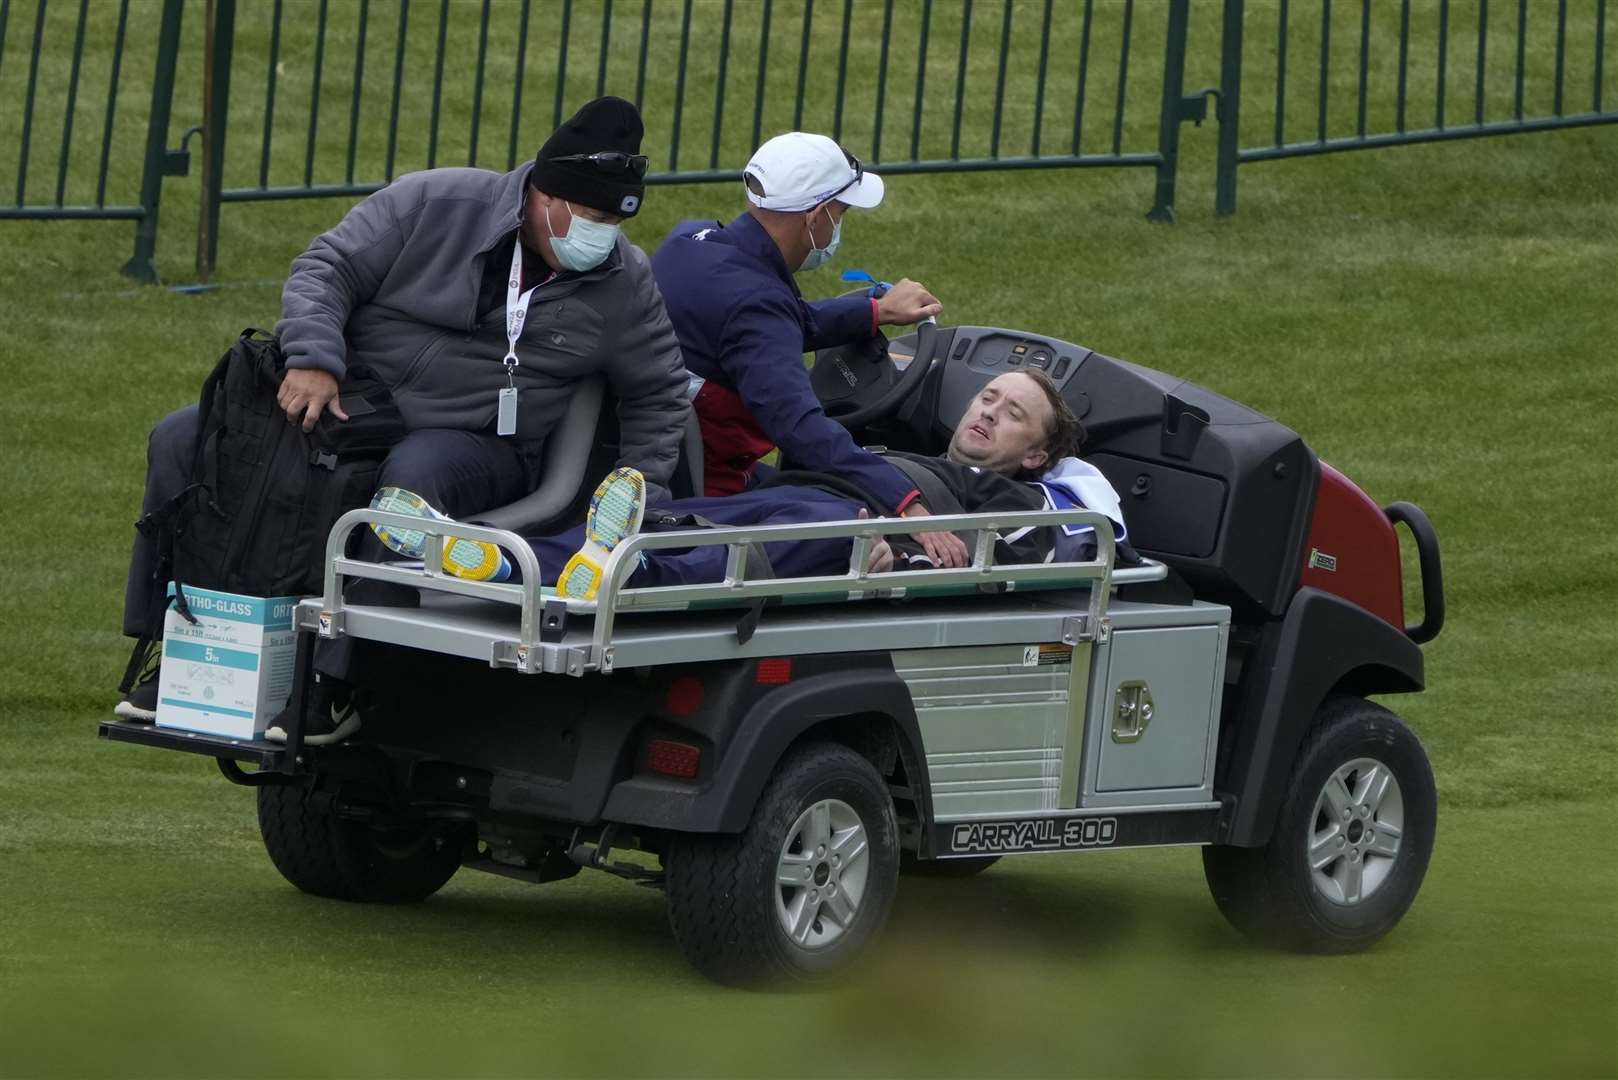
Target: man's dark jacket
(744, 328)
(948, 487)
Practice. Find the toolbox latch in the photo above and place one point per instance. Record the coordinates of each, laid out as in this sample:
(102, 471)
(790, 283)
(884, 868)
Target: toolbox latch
(1132, 711)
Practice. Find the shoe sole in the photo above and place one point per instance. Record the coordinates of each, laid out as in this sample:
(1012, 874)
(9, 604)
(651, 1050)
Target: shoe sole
(128, 710)
(617, 509)
(474, 560)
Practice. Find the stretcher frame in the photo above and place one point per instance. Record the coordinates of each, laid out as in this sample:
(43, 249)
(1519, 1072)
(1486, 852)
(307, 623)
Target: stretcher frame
(561, 635)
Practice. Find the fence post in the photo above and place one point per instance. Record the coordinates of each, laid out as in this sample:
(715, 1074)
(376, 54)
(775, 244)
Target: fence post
(216, 111)
(1168, 123)
(140, 265)
(1230, 108)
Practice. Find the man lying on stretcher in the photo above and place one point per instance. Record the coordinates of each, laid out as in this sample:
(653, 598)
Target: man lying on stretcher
(1013, 450)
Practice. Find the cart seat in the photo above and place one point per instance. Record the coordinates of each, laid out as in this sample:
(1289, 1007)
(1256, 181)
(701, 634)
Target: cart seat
(582, 449)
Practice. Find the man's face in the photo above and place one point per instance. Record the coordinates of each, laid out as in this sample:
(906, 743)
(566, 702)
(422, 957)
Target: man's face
(1005, 427)
(546, 216)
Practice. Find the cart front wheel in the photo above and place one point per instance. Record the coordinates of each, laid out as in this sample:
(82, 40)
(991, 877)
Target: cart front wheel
(1351, 843)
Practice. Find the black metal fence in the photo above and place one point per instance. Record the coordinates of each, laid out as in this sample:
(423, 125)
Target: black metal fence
(912, 87)
(304, 98)
(1370, 78)
(129, 147)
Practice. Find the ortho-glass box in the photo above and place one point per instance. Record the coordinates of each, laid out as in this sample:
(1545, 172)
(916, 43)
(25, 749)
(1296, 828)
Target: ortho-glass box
(230, 672)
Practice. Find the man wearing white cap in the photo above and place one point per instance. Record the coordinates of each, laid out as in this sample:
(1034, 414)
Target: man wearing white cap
(744, 326)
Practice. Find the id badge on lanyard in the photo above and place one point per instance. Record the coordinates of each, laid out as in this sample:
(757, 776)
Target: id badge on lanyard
(516, 313)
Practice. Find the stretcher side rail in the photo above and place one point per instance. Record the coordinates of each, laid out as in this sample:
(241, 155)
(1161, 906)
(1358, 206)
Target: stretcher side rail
(614, 595)
(856, 581)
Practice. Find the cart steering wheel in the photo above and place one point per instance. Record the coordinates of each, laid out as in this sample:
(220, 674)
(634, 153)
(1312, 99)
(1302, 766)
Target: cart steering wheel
(914, 373)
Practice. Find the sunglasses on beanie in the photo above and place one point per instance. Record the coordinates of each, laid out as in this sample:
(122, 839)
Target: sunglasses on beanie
(611, 161)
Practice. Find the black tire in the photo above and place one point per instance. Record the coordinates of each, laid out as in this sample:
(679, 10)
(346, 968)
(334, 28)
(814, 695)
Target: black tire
(349, 860)
(1271, 893)
(723, 892)
(971, 866)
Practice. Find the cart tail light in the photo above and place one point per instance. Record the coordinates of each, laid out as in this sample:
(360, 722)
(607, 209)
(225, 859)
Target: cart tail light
(684, 696)
(776, 672)
(672, 758)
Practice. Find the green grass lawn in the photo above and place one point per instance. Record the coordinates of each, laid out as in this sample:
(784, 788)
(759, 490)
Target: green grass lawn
(191, 957)
(1439, 322)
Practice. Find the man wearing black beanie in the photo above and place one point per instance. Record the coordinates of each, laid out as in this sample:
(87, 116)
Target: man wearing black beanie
(559, 294)
(481, 299)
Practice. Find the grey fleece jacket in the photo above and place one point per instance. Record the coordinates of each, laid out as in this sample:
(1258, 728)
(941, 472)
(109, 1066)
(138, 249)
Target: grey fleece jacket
(394, 286)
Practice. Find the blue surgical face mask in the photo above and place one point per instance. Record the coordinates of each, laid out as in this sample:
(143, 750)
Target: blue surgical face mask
(587, 243)
(820, 256)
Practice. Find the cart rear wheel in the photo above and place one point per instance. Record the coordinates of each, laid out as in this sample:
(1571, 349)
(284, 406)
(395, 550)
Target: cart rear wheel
(324, 855)
(1351, 842)
(799, 893)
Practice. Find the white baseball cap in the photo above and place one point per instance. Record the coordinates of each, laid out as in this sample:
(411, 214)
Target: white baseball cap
(800, 170)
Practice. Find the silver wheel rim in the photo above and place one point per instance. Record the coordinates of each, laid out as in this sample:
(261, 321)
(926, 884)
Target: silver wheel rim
(1356, 831)
(821, 875)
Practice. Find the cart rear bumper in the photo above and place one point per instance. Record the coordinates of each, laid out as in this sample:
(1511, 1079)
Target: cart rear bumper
(266, 755)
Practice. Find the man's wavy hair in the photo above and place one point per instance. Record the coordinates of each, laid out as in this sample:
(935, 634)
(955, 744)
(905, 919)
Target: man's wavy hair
(1064, 435)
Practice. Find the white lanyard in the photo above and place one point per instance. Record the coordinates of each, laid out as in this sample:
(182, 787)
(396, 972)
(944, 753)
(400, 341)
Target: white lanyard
(516, 309)
(516, 314)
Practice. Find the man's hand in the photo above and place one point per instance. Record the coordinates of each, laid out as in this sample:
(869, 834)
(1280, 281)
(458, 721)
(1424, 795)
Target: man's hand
(907, 302)
(945, 549)
(880, 559)
(305, 392)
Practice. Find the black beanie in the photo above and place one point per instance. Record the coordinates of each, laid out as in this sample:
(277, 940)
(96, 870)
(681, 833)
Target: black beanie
(605, 124)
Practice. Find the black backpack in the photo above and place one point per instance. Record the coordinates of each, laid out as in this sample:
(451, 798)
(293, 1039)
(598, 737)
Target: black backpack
(263, 494)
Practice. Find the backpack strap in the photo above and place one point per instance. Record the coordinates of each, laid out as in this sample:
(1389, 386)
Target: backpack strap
(137, 659)
(163, 526)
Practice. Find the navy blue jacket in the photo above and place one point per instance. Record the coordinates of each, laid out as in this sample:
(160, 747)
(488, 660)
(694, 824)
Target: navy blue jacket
(743, 329)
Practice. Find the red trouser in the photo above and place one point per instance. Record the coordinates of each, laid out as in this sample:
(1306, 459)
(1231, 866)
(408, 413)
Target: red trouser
(732, 441)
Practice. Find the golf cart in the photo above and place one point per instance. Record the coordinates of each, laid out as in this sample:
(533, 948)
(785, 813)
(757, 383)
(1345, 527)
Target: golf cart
(779, 751)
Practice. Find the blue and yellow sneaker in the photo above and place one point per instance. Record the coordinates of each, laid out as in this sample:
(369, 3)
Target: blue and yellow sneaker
(616, 510)
(474, 560)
